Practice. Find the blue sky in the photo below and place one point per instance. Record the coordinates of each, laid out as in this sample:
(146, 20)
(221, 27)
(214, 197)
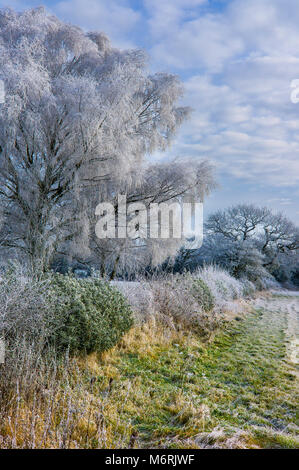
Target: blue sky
(237, 59)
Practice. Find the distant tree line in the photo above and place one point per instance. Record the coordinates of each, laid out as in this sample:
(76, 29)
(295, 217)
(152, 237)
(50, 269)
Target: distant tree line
(248, 241)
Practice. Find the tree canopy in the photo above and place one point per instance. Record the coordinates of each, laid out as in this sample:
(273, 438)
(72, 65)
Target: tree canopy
(79, 123)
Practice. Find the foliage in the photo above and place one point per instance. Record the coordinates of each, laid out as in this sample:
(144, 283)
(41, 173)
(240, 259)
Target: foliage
(222, 285)
(140, 297)
(241, 259)
(26, 307)
(247, 239)
(250, 243)
(286, 268)
(203, 295)
(196, 300)
(93, 315)
(181, 302)
(160, 388)
(78, 121)
(249, 287)
(62, 312)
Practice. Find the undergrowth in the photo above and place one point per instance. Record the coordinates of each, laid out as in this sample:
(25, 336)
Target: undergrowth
(163, 388)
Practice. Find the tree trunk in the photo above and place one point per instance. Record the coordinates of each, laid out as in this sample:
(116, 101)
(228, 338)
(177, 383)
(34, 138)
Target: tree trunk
(114, 270)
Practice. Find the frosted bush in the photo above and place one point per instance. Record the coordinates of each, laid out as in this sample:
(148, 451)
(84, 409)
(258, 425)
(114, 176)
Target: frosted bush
(269, 282)
(92, 315)
(248, 287)
(140, 297)
(223, 287)
(192, 301)
(25, 306)
(185, 302)
(61, 311)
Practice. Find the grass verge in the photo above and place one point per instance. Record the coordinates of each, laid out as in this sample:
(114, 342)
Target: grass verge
(163, 388)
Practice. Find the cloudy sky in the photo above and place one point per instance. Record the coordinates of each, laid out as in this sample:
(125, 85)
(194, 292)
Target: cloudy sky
(237, 59)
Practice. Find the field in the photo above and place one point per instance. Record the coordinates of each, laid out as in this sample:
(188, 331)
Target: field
(161, 388)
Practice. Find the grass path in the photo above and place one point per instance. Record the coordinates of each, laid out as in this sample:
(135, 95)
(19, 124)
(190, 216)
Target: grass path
(160, 388)
(239, 391)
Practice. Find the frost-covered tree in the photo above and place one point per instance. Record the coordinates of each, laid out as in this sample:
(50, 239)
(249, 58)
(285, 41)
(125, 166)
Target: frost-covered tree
(279, 236)
(272, 232)
(240, 258)
(286, 268)
(246, 235)
(161, 183)
(239, 222)
(78, 125)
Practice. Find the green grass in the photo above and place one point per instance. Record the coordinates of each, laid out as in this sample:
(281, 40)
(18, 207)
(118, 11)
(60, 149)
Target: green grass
(164, 388)
(240, 382)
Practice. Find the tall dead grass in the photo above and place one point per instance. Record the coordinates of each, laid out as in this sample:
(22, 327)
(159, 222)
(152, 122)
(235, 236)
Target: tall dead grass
(49, 403)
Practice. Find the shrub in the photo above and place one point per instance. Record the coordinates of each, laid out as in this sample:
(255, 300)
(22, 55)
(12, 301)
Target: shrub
(222, 285)
(267, 282)
(203, 295)
(26, 310)
(61, 311)
(185, 302)
(249, 287)
(92, 315)
(140, 297)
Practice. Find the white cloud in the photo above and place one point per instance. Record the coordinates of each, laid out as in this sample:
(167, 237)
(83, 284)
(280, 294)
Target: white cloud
(116, 18)
(245, 58)
(19, 5)
(283, 201)
(165, 17)
(237, 62)
(190, 34)
(202, 42)
(250, 137)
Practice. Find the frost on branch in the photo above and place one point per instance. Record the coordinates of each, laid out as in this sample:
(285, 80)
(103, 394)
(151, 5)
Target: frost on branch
(80, 121)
